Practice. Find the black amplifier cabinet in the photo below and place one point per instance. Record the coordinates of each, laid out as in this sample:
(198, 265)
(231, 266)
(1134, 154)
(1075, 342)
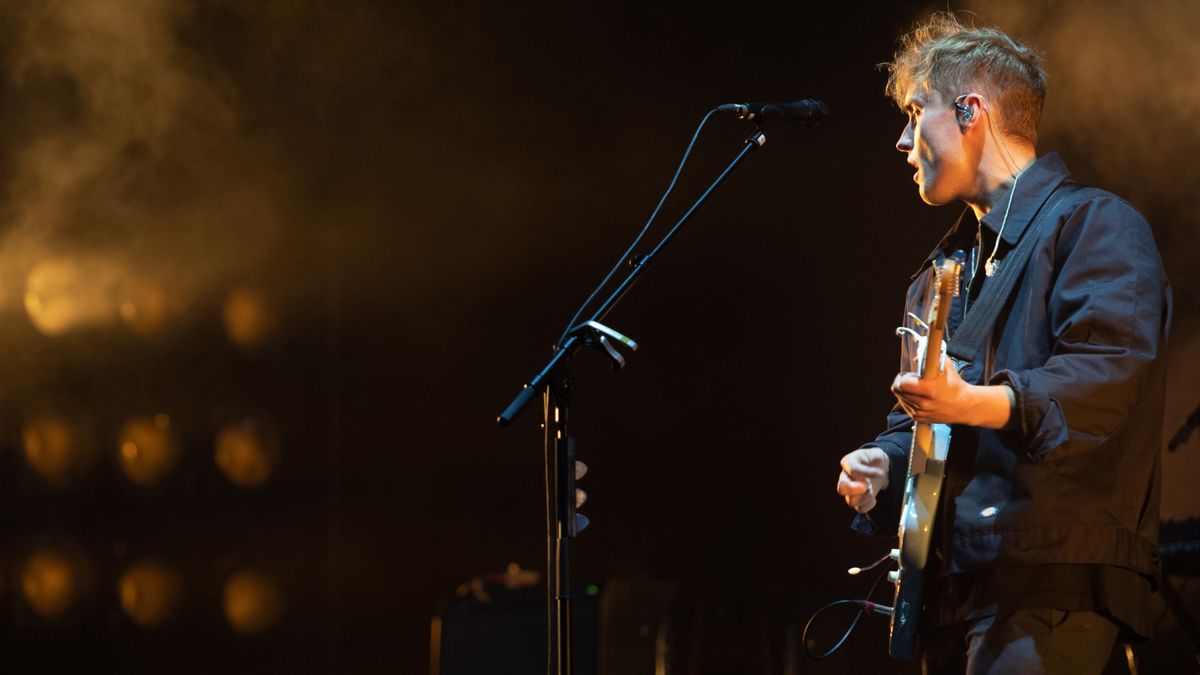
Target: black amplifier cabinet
(503, 632)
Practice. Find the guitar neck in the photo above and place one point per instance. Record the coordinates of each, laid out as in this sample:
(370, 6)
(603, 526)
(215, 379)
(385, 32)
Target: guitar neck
(931, 367)
(922, 446)
(931, 359)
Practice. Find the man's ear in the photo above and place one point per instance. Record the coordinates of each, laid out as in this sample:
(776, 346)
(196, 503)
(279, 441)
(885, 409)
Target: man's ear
(966, 109)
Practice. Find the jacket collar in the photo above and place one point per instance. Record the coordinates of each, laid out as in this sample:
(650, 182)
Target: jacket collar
(1033, 189)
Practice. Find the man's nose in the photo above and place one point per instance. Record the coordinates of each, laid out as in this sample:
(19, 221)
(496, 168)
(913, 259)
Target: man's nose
(904, 143)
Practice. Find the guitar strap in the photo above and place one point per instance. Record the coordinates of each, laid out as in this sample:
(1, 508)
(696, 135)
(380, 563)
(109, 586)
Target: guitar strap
(970, 340)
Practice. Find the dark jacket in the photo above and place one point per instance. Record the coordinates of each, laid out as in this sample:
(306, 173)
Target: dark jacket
(1075, 476)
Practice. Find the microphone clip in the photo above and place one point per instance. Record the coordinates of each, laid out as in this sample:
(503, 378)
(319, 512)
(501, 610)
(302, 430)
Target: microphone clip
(601, 336)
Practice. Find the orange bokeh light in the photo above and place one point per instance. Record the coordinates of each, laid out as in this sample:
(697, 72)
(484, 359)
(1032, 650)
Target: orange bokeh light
(245, 454)
(55, 448)
(249, 319)
(49, 583)
(62, 294)
(252, 600)
(148, 449)
(145, 307)
(150, 592)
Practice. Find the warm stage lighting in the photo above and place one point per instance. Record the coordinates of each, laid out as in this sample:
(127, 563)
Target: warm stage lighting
(144, 306)
(249, 321)
(245, 454)
(148, 449)
(252, 601)
(63, 293)
(49, 583)
(150, 592)
(55, 449)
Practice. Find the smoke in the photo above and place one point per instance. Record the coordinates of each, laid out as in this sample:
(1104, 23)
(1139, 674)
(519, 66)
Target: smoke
(209, 142)
(1124, 104)
(123, 149)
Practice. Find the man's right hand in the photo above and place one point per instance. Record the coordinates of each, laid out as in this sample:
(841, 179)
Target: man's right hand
(864, 475)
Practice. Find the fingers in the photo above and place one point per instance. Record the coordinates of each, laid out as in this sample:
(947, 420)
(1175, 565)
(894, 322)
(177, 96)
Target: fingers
(863, 504)
(848, 487)
(915, 397)
(909, 388)
(920, 408)
(858, 471)
(911, 384)
(863, 463)
(908, 384)
(904, 395)
(933, 399)
(864, 474)
(860, 495)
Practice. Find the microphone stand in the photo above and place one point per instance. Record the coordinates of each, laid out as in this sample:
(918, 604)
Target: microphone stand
(556, 386)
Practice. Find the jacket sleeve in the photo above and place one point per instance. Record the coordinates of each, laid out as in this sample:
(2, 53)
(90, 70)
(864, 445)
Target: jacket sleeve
(1107, 307)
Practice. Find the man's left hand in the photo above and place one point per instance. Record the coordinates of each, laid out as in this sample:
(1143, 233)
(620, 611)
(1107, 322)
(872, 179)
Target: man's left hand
(949, 399)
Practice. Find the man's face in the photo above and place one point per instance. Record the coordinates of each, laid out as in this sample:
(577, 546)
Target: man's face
(935, 146)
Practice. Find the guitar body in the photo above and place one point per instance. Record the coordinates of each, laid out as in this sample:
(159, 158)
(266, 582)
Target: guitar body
(917, 515)
(923, 488)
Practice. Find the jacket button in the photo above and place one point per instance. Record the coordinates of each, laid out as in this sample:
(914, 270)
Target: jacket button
(988, 512)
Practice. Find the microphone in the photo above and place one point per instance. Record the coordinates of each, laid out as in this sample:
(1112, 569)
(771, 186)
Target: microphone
(807, 112)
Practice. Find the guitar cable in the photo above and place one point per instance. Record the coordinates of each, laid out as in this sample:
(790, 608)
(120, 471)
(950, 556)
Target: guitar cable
(865, 605)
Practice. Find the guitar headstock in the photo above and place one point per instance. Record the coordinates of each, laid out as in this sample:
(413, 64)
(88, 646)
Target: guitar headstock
(949, 279)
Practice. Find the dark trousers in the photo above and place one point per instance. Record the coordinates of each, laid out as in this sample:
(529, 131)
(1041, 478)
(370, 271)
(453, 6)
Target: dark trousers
(1024, 642)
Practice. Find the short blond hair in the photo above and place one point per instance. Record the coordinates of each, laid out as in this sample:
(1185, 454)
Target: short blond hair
(943, 54)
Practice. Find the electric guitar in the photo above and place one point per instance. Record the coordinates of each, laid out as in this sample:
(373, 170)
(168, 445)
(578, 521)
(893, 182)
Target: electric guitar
(926, 467)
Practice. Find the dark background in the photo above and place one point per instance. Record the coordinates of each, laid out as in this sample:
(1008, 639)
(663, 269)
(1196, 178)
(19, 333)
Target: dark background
(422, 194)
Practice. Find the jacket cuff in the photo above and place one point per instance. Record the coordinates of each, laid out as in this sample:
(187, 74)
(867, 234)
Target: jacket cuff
(864, 524)
(1036, 417)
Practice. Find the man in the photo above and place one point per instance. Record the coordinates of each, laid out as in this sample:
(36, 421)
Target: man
(1045, 547)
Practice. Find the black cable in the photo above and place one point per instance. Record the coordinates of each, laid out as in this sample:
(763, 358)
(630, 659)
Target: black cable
(849, 629)
(865, 605)
(645, 228)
